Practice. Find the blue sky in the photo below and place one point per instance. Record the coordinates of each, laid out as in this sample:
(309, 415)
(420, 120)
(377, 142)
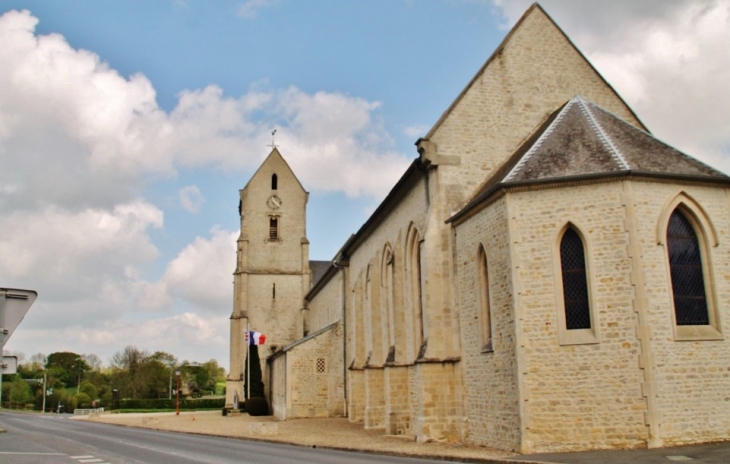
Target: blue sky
(127, 129)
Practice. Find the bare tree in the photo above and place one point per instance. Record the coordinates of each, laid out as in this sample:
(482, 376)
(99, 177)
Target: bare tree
(38, 361)
(93, 361)
(128, 375)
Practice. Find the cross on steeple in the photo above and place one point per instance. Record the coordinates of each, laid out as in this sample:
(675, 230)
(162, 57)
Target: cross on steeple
(273, 145)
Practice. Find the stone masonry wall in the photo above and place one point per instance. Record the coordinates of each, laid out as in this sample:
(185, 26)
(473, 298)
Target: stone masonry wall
(578, 396)
(284, 255)
(692, 377)
(536, 72)
(326, 306)
(271, 275)
(374, 397)
(397, 410)
(315, 377)
(490, 377)
(275, 317)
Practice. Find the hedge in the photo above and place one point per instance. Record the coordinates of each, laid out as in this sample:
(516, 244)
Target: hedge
(207, 403)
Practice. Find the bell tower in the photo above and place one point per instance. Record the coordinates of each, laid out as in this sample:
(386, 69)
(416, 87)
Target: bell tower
(272, 268)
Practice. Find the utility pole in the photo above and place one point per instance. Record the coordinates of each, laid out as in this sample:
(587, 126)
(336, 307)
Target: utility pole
(45, 390)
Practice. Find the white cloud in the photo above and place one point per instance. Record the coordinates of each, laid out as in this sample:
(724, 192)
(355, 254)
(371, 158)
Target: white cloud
(78, 144)
(669, 60)
(191, 199)
(416, 131)
(250, 8)
(202, 272)
(54, 246)
(185, 335)
(68, 117)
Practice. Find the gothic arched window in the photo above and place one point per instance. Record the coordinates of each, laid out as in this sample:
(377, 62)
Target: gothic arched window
(575, 282)
(485, 316)
(414, 284)
(685, 264)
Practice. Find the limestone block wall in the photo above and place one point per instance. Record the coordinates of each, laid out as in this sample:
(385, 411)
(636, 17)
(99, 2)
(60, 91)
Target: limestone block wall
(326, 306)
(584, 395)
(356, 398)
(692, 376)
(382, 332)
(356, 354)
(314, 377)
(272, 273)
(440, 397)
(535, 72)
(397, 407)
(491, 396)
(431, 410)
(285, 254)
(375, 398)
(365, 264)
(276, 306)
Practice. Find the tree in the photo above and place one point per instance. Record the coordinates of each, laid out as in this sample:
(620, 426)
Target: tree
(20, 393)
(170, 363)
(70, 366)
(38, 361)
(127, 375)
(92, 361)
(89, 389)
(80, 400)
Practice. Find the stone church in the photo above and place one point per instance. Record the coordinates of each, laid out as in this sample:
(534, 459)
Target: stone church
(545, 276)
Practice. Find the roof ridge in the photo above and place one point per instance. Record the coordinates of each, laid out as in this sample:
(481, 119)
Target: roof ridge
(615, 152)
(535, 146)
(657, 139)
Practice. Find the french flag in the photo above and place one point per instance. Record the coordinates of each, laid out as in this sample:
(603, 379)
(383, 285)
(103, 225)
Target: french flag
(255, 338)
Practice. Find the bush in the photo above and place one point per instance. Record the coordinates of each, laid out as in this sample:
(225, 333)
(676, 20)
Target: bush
(81, 400)
(164, 403)
(257, 406)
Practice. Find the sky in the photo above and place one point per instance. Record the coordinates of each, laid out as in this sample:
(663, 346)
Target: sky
(128, 128)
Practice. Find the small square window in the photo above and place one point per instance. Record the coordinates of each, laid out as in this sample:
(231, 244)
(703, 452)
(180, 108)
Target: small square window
(321, 366)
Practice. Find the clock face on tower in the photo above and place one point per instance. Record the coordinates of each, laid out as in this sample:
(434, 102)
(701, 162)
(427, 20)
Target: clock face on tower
(274, 202)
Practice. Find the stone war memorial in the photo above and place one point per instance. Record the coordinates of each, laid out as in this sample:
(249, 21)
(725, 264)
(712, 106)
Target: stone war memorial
(545, 276)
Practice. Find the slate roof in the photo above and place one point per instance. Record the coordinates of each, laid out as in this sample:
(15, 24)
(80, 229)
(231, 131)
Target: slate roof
(582, 140)
(318, 268)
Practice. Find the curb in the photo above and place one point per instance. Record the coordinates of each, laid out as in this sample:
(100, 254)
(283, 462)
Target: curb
(442, 457)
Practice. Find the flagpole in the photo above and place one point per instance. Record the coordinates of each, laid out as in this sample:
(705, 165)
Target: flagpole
(248, 361)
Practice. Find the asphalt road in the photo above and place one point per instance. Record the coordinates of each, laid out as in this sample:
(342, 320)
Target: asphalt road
(54, 439)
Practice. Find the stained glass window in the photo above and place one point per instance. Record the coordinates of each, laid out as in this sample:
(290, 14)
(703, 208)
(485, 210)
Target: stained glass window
(575, 285)
(685, 263)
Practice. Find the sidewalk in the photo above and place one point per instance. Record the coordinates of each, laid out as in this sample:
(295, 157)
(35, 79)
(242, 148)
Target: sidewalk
(340, 434)
(333, 433)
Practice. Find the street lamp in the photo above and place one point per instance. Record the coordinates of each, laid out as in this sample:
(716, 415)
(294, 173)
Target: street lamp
(177, 393)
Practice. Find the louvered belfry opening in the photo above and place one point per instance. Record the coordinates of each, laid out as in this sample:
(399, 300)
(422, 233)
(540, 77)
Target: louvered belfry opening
(575, 284)
(273, 228)
(685, 263)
